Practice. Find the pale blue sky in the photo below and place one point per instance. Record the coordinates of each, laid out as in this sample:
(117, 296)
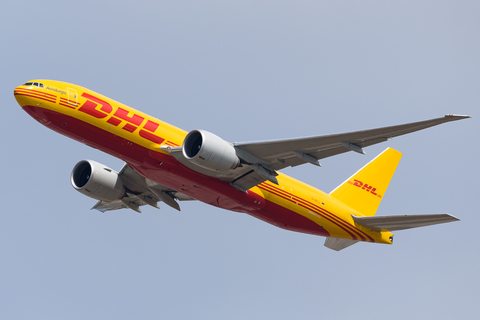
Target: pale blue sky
(244, 71)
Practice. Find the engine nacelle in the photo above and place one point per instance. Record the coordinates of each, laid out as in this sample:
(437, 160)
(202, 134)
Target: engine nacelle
(209, 151)
(97, 181)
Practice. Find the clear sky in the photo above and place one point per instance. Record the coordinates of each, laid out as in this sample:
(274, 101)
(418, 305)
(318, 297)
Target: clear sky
(244, 70)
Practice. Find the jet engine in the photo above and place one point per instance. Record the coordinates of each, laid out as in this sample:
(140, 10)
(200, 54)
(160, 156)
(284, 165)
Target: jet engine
(209, 151)
(97, 181)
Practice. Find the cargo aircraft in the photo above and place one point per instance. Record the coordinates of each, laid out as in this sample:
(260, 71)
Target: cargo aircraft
(166, 164)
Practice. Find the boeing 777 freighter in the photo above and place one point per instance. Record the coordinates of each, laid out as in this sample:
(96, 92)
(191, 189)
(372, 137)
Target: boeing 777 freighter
(166, 164)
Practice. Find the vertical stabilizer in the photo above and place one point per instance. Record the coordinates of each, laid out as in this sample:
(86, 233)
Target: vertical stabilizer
(364, 190)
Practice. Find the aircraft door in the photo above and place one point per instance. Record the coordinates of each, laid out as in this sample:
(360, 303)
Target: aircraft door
(72, 96)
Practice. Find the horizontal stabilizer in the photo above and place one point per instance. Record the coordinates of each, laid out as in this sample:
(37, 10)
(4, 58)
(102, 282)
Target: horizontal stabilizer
(393, 223)
(338, 244)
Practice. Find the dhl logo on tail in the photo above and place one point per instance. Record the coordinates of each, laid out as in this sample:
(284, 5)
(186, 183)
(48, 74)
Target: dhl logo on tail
(365, 187)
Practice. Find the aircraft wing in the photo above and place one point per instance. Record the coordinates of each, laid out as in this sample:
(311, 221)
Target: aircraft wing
(141, 191)
(269, 156)
(292, 152)
(260, 160)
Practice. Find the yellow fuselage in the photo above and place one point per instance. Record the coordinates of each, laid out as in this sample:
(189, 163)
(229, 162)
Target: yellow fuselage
(136, 138)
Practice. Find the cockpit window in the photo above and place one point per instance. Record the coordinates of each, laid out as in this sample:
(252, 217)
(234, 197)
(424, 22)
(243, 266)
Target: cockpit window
(37, 84)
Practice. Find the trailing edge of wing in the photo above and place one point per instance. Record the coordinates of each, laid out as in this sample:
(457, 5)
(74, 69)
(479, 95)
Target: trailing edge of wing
(394, 223)
(338, 244)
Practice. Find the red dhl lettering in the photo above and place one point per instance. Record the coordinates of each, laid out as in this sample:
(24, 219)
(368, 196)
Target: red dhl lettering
(357, 183)
(132, 121)
(151, 126)
(90, 106)
(366, 187)
(100, 109)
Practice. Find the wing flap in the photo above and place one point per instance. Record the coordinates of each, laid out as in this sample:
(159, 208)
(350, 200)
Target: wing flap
(104, 206)
(248, 180)
(394, 223)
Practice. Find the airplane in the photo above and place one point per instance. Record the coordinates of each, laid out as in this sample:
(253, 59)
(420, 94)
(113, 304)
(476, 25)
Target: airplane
(166, 164)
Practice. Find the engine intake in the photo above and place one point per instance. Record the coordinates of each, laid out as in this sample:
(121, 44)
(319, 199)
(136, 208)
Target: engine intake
(97, 181)
(209, 151)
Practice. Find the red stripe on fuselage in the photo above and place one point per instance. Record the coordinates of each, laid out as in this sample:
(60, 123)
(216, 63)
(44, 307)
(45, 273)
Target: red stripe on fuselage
(34, 96)
(66, 105)
(173, 144)
(318, 210)
(35, 91)
(167, 171)
(70, 102)
(300, 203)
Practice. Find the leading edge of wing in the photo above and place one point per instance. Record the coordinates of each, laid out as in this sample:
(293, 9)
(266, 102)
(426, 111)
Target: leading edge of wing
(323, 146)
(446, 118)
(261, 159)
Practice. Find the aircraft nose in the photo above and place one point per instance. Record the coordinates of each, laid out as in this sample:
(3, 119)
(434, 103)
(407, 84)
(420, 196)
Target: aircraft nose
(17, 90)
(25, 95)
(21, 95)
(32, 93)
(35, 101)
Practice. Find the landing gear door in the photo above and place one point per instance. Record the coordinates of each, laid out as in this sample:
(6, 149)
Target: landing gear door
(72, 96)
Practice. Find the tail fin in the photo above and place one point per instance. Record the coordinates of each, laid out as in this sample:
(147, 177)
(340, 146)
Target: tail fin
(364, 190)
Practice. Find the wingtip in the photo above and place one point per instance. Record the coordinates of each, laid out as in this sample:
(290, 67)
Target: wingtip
(457, 116)
(453, 218)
